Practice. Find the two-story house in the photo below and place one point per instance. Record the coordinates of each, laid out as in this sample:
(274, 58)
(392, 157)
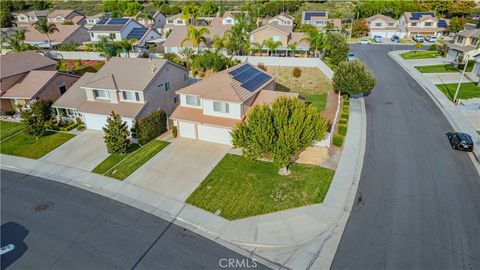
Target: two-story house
(281, 19)
(174, 21)
(465, 43)
(123, 28)
(414, 23)
(131, 87)
(65, 34)
(90, 21)
(320, 20)
(279, 33)
(23, 19)
(60, 15)
(210, 108)
(157, 21)
(384, 26)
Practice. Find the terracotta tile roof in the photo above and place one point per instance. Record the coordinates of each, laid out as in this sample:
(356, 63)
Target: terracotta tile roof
(381, 17)
(23, 62)
(31, 84)
(222, 86)
(64, 31)
(75, 95)
(60, 13)
(197, 116)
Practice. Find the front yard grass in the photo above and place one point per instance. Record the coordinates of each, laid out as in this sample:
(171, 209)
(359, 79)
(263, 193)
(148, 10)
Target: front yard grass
(7, 129)
(25, 145)
(467, 90)
(437, 68)
(127, 165)
(419, 54)
(114, 159)
(239, 187)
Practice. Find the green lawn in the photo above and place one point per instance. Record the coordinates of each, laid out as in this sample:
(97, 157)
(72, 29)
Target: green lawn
(136, 159)
(239, 187)
(437, 68)
(9, 128)
(318, 101)
(113, 160)
(25, 145)
(467, 90)
(420, 54)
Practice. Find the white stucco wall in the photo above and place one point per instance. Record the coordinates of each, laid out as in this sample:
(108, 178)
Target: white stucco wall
(234, 110)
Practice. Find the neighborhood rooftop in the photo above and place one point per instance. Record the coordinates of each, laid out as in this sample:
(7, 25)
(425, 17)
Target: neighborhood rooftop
(112, 24)
(23, 62)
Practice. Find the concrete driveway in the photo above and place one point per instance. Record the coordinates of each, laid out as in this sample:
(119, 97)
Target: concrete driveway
(429, 61)
(179, 168)
(84, 151)
(451, 77)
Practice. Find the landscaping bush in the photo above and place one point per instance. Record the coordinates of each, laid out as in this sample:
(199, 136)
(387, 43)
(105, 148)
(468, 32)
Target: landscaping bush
(342, 121)
(337, 140)
(296, 72)
(342, 130)
(353, 77)
(344, 115)
(175, 131)
(81, 127)
(10, 113)
(150, 127)
(116, 134)
(433, 47)
(69, 127)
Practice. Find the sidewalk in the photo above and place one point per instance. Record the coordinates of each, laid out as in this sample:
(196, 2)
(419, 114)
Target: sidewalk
(305, 237)
(450, 77)
(456, 118)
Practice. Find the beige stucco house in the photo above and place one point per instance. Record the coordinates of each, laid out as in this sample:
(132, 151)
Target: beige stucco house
(23, 19)
(210, 108)
(423, 23)
(15, 67)
(465, 43)
(281, 19)
(60, 15)
(65, 34)
(384, 26)
(131, 87)
(279, 33)
(320, 20)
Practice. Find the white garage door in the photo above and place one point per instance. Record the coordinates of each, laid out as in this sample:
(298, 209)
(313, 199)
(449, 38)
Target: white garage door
(98, 121)
(186, 130)
(214, 134)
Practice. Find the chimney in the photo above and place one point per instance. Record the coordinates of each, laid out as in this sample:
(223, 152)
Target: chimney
(154, 68)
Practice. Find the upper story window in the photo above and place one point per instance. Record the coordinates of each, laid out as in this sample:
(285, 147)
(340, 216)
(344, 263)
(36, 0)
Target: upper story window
(113, 35)
(131, 96)
(229, 21)
(101, 94)
(167, 86)
(169, 21)
(91, 34)
(428, 23)
(474, 41)
(459, 39)
(378, 24)
(185, 76)
(179, 21)
(391, 24)
(414, 24)
(192, 100)
(220, 107)
(276, 38)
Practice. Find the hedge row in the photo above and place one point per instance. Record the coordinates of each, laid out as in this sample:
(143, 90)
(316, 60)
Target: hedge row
(150, 127)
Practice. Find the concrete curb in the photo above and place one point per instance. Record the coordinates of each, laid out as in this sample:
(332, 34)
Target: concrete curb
(443, 103)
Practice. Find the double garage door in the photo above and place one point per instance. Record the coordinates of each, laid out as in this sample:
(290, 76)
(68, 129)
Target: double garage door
(204, 133)
(98, 121)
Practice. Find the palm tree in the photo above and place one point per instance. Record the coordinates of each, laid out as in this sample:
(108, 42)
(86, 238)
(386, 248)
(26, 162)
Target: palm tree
(46, 28)
(190, 12)
(329, 26)
(126, 45)
(187, 56)
(257, 47)
(218, 43)
(106, 46)
(196, 36)
(144, 15)
(16, 42)
(315, 39)
(293, 48)
(271, 45)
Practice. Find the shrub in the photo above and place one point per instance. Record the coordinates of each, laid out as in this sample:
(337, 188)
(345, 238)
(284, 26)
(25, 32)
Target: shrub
(353, 77)
(342, 130)
(150, 127)
(262, 66)
(10, 113)
(37, 119)
(175, 131)
(296, 72)
(81, 127)
(116, 134)
(344, 116)
(342, 121)
(432, 47)
(337, 140)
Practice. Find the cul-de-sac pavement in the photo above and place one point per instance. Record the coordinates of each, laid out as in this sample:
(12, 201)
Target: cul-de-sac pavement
(240, 135)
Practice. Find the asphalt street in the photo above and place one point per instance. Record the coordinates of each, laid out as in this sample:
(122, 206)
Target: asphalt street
(420, 200)
(56, 226)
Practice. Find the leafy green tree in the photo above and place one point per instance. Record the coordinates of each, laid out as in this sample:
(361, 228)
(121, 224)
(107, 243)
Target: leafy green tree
(218, 43)
(306, 28)
(280, 131)
(46, 28)
(16, 42)
(105, 45)
(187, 55)
(116, 134)
(359, 28)
(315, 39)
(293, 48)
(6, 17)
(208, 8)
(133, 8)
(257, 47)
(207, 61)
(109, 5)
(417, 45)
(337, 47)
(462, 8)
(235, 38)
(190, 12)
(353, 77)
(196, 36)
(456, 24)
(37, 119)
(271, 45)
(40, 4)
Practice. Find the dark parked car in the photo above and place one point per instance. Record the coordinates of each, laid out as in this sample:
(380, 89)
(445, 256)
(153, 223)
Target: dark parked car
(395, 39)
(460, 141)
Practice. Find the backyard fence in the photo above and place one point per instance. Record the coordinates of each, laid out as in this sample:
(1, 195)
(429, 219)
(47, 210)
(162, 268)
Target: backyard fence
(73, 55)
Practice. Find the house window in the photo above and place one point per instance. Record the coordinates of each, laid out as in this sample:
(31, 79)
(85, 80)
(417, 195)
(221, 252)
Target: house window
(428, 23)
(91, 35)
(175, 99)
(113, 36)
(391, 24)
(130, 95)
(414, 24)
(192, 100)
(167, 86)
(459, 39)
(101, 94)
(474, 41)
(276, 38)
(378, 24)
(228, 21)
(185, 76)
(220, 107)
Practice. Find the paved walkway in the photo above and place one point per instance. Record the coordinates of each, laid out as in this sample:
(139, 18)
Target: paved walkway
(427, 61)
(299, 238)
(179, 168)
(455, 116)
(85, 151)
(451, 77)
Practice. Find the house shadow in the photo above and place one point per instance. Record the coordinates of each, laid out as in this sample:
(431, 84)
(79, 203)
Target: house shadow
(13, 233)
(281, 87)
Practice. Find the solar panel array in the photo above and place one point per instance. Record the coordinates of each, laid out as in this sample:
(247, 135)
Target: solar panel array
(249, 77)
(309, 15)
(418, 15)
(137, 33)
(117, 21)
(442, 23)
(102, 21)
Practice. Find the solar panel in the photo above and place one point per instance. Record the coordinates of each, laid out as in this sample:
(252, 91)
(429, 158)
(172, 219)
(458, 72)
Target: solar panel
(309, 15)
(117, 21)
(442, 23)
(102, 21)
(255, 82)
(137, 33)
(239, 70)
(418, 15)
